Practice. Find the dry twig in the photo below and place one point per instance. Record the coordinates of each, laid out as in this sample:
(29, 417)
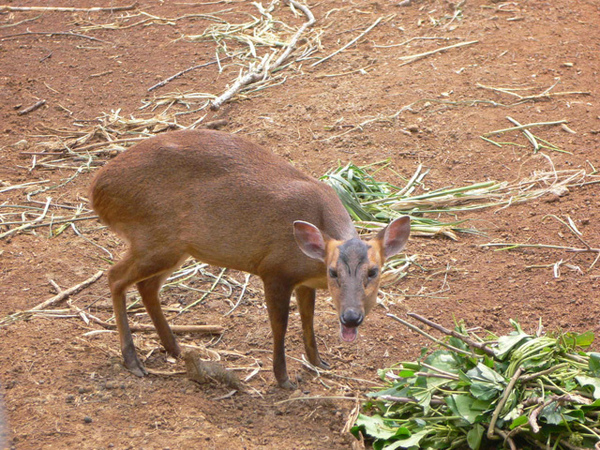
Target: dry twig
(322, 60)
(466, 339)
(265, 66)
(67, 8)
(52, 33)
(206, 329)
(67, 292)
(178, 74)
(31, 108)
(412, 58)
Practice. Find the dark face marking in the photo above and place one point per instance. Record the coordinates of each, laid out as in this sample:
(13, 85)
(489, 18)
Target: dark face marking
(353, 253)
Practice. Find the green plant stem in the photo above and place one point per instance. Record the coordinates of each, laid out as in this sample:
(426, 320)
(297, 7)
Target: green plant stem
(491, 434)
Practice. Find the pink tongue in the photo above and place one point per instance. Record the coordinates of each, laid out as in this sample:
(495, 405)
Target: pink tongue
(349, 334)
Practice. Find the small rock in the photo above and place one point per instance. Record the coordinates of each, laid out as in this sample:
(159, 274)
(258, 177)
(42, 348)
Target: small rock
(111, 385)
(87, 419)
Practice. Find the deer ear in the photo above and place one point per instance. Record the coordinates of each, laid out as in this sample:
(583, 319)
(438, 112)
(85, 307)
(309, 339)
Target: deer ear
(310, 240)
(393, 238)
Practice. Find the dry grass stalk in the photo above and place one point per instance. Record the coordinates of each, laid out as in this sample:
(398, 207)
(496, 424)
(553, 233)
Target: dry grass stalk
(148, 19)
(178, 329)
(412, 58)
(543, 96)
(6, 8)
(31, 108)
(67, 292)
(51, 34)
(537, 142)
(269, 62)
(356, 39)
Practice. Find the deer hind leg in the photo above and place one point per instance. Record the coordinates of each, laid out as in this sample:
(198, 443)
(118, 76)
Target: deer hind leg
(305, 297)
(149, 289)
(134, 268)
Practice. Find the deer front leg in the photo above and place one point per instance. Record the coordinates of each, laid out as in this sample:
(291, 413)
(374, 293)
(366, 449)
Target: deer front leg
(277, 296)
(306, 304)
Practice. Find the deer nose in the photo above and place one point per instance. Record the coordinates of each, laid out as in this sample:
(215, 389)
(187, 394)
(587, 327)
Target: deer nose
(351, 318)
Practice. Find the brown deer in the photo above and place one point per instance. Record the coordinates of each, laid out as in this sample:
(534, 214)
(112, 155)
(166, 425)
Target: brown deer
(230, 203)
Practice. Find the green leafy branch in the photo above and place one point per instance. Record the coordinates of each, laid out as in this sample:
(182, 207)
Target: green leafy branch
(530, 391)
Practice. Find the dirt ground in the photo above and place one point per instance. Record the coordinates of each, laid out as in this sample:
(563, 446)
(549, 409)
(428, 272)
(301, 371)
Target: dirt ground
(65, 388)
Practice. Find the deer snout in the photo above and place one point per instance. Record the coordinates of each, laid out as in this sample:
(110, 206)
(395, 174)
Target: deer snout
(351, 318)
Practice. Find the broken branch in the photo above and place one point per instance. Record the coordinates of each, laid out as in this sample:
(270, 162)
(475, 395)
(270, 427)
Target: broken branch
(4, 8)
(208, 329)
(66, 293)
(31, 108)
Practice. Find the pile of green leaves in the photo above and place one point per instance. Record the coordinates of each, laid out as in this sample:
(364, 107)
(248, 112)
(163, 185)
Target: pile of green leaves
(518, 390)
(372, 204)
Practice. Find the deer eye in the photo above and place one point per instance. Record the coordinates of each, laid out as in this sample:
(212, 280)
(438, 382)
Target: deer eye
(333, 273)
(373, 272)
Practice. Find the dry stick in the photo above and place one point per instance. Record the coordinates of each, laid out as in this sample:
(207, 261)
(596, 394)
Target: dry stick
(492, 428)
(31, 108)
(427, 335)
(262, 70)
(412, 58)
(408, 41)
(102, 144)
(522, 127)
(53, 33)
(178, 74)
(510, 246)
(67, 8)
(331, 75)
(31, 224)
(20, 22)
(19, 186)
(348, 44)
(215, 124)
(208, 329)
(504, 91)
(466, 339)
(532, 420)
(506, 438)
(543, 96)
(530, 137)
(241, 295)
(66, 293)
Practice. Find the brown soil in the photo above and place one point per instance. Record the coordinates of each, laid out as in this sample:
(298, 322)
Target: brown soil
(63, 389)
